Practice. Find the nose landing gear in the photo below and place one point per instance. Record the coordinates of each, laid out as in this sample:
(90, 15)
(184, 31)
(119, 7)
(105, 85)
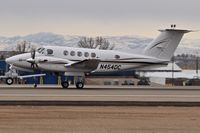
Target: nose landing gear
(10, 76)
(9, 81)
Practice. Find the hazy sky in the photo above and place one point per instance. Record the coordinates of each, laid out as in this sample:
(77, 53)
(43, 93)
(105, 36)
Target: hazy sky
(97, 17)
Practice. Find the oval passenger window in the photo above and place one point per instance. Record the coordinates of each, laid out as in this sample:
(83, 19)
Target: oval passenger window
(49, 51)
(79, 53)
(72, 53)
(86, 54)
(65, 52)
(93, 55)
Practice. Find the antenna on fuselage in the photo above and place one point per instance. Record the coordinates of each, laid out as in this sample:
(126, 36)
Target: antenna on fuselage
(173, 26)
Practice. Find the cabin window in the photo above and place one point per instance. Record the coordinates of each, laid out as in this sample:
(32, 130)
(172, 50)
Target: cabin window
(49, 51)
(86, 54)
(117, 57)
(93, 55)
(79, 54)
(65, 52)
(72, 53)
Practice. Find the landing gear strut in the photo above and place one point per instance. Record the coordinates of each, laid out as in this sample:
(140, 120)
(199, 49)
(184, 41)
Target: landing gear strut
(35, 85)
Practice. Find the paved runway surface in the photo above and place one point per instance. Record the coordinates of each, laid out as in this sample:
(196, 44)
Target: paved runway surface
(102, 93)
(98, 119)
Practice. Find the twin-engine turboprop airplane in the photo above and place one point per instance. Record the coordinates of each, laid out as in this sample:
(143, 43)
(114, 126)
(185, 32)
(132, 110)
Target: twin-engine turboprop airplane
(79, 61)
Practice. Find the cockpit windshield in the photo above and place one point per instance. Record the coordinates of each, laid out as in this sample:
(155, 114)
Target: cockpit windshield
(41, 50)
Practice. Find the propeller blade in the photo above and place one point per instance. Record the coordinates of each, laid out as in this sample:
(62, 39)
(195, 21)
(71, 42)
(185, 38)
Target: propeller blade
(32, 61)
(36, 65)
(33, 54)
(32, 65)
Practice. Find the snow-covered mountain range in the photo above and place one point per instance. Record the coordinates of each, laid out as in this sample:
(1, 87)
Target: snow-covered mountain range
(124, 43)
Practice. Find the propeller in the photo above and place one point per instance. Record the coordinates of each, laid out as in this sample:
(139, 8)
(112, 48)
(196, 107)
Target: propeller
(33, 54)
(32, 60)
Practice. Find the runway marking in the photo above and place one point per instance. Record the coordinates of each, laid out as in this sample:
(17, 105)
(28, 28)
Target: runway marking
(42, 95)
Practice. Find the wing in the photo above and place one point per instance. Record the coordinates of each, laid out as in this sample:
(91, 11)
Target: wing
(89, 64)
(30, 76)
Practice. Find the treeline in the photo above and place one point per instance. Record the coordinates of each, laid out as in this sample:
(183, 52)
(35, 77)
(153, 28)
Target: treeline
(21, 47)
(187, 61)
(93, 43)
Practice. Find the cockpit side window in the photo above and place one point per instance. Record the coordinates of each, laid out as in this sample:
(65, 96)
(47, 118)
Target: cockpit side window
(41, 50)
(49, 51)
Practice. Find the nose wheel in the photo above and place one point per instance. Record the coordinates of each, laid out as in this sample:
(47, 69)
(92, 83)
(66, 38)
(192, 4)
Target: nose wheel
(9, 81)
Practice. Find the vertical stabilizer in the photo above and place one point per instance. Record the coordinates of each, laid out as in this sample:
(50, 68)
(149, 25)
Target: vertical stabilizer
(164, 46)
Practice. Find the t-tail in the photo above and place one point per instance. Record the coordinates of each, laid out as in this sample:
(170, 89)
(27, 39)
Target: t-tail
(164, 46)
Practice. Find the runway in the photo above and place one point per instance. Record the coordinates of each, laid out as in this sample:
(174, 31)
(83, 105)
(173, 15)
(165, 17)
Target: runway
(102, 95)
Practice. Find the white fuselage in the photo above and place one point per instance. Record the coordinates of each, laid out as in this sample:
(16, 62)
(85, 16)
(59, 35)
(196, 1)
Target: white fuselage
(110, 60)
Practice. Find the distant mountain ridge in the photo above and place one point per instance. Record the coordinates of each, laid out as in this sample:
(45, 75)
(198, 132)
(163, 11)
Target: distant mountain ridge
(124, 43)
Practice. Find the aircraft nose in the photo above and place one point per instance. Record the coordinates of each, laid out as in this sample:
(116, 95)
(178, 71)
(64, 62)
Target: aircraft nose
(10, 60)
(18, 60)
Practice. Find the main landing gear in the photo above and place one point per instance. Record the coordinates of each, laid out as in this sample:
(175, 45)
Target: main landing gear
(79, 82)
(79, 85)
(65, 84)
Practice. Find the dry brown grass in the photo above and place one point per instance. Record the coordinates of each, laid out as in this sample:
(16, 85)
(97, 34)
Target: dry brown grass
(99, 120)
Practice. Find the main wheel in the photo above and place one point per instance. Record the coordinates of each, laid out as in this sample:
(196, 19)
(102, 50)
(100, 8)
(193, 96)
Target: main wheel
(65, 84)
(79, 85)
(9, 81)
